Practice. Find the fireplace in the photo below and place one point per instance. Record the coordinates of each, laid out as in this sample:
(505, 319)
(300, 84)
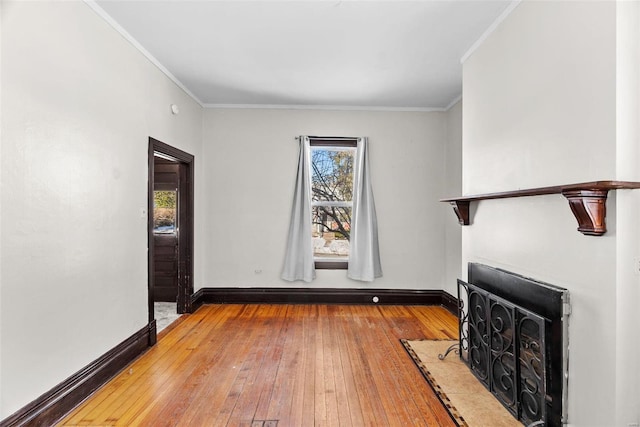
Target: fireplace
(513, 337)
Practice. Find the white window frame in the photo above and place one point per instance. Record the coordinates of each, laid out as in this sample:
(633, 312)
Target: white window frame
(331, 144)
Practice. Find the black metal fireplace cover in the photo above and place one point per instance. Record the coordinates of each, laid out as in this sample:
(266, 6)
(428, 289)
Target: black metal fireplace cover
(550, 302)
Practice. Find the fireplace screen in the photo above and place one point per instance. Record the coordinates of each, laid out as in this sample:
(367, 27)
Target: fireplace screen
(504, 351)
(517, 350)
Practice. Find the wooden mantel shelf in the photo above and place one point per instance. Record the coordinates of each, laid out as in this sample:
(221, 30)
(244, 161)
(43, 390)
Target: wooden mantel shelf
(587, 201)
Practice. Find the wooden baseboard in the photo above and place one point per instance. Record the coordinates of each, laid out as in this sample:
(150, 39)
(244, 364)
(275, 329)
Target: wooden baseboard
(197, 299)
(450, 303)
(324, 296)
(56, 403)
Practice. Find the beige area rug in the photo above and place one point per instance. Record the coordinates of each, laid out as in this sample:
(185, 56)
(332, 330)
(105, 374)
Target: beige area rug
(467, 400)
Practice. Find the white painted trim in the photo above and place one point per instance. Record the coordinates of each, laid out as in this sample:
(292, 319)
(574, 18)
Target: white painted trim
(345, 204)
(324, 107)
(454, 102)
(505, 13)
(128, 37)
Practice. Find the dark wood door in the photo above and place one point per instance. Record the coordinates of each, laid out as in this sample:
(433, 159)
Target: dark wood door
(170, 271)
(166, 229)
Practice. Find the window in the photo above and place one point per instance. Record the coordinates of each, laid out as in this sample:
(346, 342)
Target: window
(164, 212)
(333, 216)
(332, 164)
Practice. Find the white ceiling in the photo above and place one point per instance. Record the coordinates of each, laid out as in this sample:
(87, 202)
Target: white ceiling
(347, 54)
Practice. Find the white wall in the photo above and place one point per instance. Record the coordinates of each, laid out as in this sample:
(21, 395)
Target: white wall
(78, 104)
(251, 158)
(453, 188)
(540, 109)
(628, 242)
(1, 7)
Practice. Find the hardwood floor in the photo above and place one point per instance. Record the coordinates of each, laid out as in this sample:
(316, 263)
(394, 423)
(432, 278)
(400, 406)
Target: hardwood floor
(284, 365)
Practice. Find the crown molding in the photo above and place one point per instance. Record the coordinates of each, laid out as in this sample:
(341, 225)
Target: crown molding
(505, 13)
(128, 37)
(454, 102)
(323, 107)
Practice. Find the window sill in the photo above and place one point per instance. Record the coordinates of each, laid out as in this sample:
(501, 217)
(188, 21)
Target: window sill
(331, 265)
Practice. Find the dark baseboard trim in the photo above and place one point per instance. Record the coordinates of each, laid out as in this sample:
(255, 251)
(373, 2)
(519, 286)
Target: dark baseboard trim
(450, 303)
(152, 333)
(323, 296)
(197, 299)
(52, 406)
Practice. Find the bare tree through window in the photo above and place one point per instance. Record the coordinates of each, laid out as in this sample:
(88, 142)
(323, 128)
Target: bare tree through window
(332, 193)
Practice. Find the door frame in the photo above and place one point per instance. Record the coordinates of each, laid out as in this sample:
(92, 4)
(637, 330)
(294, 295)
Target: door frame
(186, 233)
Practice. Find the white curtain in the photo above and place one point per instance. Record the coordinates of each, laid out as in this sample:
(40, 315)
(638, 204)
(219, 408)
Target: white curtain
(364, 253)
(298, 262)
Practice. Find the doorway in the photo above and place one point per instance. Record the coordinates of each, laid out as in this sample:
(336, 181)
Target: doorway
(170, 229)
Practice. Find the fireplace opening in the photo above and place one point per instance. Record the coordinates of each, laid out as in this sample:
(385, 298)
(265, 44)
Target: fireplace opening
(514, 338)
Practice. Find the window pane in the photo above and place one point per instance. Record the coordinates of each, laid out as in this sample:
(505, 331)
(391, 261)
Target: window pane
(331, 174)
(164, 212)
(330, 232)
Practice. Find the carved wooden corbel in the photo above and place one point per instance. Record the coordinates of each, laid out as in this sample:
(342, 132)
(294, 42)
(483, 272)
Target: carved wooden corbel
(461, 208)
(590, 209)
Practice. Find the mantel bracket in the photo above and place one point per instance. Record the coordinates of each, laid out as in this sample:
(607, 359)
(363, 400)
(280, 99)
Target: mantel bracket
(587, 200)
(590, 209)
(461, 208)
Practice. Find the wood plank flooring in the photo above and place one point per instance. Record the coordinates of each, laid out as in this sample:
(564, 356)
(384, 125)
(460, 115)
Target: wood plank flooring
(278, 365)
